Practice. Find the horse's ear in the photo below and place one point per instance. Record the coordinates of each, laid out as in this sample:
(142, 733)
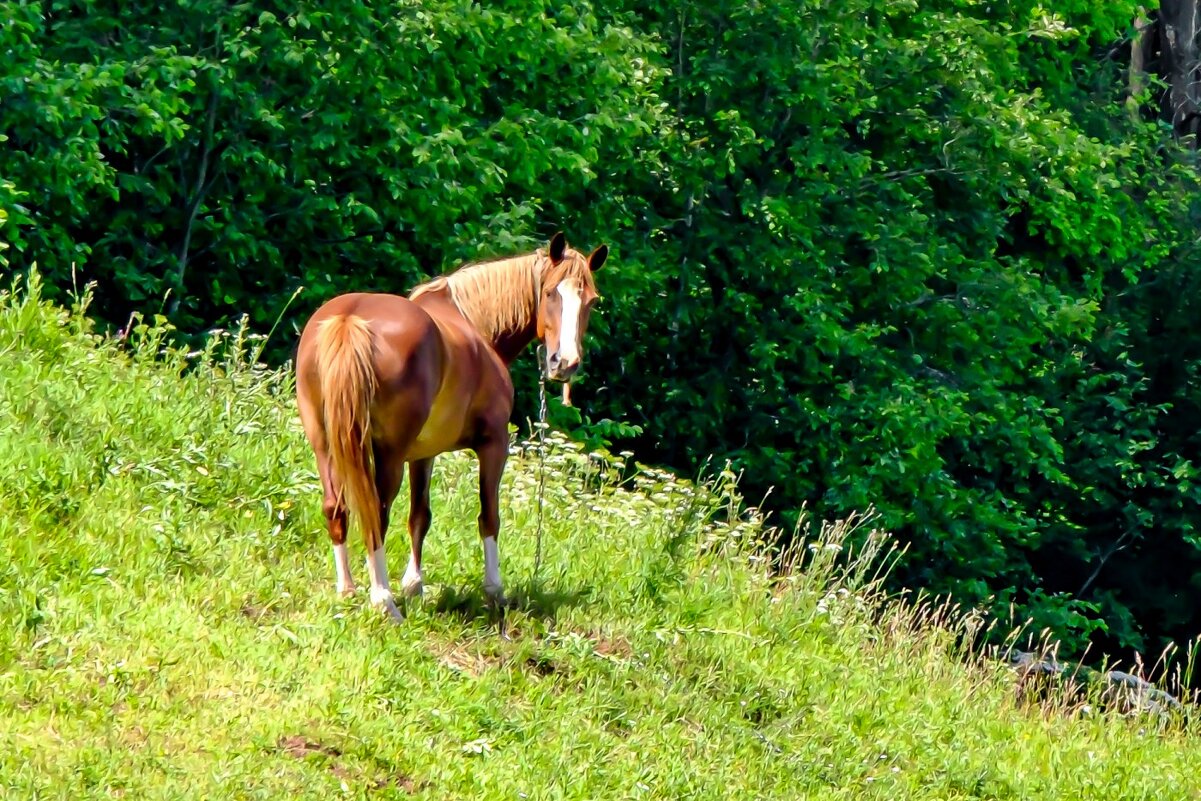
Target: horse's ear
(597, 259)
(558, 246)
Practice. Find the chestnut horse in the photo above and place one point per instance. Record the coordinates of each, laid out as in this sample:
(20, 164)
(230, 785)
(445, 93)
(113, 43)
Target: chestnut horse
(383, 380)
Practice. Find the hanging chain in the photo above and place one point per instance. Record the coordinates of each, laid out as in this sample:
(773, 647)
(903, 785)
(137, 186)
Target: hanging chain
(541, 455)
(540, 355)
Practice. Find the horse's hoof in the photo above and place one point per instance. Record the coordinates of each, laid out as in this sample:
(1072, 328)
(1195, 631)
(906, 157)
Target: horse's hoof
(347, 592)
(495, 597)
(383, 601)
(391, 611)
(412, 588)
(496, 609)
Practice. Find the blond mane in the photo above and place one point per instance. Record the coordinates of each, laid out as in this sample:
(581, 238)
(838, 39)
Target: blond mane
(501, 296)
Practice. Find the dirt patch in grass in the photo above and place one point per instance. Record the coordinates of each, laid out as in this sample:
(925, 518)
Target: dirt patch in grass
(611, 647)
(252, 612)
(467, 661)
(400, 781)
(541, 665)
(301, 747)
(477, 658)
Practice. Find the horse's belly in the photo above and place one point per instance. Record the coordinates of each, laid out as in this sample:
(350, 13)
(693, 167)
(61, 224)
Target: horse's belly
(443, 431)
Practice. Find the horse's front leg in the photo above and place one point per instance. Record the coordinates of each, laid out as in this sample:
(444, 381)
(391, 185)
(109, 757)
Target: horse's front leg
(492, 456)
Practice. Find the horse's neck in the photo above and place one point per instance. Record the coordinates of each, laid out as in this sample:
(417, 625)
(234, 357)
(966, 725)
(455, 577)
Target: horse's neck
(510, 345)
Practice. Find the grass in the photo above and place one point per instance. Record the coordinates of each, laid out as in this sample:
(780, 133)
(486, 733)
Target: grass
(170, 628)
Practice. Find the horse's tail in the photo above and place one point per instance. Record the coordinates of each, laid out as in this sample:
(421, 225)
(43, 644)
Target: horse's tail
(345, 349)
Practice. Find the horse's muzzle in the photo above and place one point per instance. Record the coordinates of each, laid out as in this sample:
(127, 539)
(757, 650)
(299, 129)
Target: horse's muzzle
(558, 369)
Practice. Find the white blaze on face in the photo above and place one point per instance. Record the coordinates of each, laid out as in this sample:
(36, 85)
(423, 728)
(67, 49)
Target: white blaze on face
(569, 330)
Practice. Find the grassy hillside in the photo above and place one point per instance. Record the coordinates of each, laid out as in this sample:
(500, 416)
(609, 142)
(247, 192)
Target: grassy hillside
(170, 629)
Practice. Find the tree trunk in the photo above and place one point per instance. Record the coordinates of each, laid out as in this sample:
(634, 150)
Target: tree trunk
(1178, 31)
(1140, 53)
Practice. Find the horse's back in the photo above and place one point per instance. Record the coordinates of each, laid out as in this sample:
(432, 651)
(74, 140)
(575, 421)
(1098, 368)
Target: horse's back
(379, 309)
(395, 321)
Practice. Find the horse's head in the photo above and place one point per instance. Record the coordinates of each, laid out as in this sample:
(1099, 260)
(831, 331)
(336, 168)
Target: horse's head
(568, 293)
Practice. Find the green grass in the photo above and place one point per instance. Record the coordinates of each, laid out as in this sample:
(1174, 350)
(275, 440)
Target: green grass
(170, 628)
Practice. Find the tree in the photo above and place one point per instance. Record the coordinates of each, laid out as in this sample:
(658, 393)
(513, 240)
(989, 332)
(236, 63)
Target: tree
(220, 156)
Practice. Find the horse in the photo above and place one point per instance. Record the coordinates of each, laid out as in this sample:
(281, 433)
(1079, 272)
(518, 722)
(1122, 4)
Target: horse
(384, 380)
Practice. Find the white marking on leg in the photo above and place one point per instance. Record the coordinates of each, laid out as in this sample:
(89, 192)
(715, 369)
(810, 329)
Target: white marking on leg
(492, 584)
(344, 582)
(411, 583)
(569, 331)
(381, 594)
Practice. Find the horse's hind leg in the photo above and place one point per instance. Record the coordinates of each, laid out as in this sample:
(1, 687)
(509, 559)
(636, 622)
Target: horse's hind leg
(335, 519)
(334, 510)
(389, 473)
(419, 522)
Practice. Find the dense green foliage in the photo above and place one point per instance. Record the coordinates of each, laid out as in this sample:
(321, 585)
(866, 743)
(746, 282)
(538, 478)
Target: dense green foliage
(916, 265)
(914, 256)
(230, 153)
(171, 629)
